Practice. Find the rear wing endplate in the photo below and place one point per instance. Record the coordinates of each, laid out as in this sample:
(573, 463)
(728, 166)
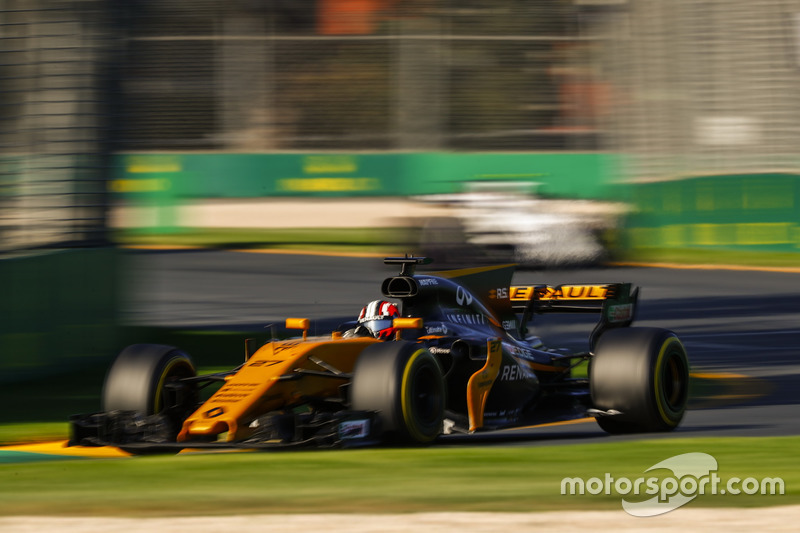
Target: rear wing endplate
(616, 303)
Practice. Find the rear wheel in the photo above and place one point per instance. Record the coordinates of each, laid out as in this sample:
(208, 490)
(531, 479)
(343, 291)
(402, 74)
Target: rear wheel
(644, 374)
(146, 378)
(403, 383)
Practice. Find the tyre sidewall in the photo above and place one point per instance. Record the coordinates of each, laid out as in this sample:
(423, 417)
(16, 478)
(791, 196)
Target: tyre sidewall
(642, 372)
(421, 423)
(670, 404)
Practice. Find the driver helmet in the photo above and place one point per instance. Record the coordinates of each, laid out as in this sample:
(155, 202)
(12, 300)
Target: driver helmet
(377, 316)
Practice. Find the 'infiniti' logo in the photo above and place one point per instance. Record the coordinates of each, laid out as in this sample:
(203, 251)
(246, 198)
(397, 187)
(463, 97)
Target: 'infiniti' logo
(463, 297)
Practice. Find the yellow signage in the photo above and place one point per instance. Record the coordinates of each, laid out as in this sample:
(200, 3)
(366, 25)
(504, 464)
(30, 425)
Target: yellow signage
(153, 164)
(328, 184)
(329, 164)
(139, 185)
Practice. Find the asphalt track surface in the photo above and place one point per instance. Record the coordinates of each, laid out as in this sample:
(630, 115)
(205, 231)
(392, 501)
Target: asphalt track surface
(740, 328)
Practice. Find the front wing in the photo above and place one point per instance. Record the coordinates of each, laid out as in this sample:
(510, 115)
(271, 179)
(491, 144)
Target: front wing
(140, 434)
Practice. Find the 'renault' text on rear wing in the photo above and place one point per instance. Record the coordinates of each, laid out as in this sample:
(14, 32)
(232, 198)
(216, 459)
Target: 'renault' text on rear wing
(616, 303)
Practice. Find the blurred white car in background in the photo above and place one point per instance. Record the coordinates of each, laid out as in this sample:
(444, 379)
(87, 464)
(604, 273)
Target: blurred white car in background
(507, 221)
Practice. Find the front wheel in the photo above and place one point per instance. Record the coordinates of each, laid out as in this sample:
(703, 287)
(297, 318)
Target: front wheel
(403, 383)
(146, 379)
(644, 374)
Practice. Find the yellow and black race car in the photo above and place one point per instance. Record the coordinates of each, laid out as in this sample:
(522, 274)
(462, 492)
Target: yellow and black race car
(445, 352)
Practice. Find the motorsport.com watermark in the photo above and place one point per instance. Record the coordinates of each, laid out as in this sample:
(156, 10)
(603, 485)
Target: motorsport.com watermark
(694, 474)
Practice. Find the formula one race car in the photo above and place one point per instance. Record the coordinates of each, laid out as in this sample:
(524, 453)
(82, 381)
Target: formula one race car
(453, 354)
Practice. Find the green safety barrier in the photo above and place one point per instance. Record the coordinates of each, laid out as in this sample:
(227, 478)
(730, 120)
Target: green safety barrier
(738, 212)
(166, 177)
(59, 311)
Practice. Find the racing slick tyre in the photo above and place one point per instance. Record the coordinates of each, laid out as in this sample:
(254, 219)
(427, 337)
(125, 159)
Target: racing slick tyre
(402, 382)
(644, 374)
(144, 379)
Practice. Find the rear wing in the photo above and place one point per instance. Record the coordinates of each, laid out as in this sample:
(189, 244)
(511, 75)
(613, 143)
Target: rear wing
(616, 303)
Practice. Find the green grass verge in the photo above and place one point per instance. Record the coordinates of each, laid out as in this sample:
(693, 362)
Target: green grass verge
(30, 432)
(512, 479)
(359, 240)
(713, 257)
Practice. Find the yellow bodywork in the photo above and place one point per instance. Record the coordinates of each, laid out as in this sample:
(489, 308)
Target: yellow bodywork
(270, 381)
(285, 374)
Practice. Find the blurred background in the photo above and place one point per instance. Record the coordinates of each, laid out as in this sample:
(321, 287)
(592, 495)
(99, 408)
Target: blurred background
(648, 129)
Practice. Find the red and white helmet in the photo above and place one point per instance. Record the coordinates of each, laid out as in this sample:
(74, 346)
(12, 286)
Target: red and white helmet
(377, 316)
